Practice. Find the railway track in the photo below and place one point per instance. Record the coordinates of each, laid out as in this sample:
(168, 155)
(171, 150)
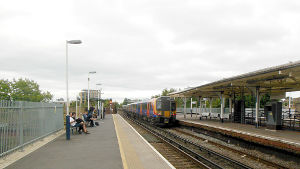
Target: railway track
(241, 153)
(178, 158)
(204, 157)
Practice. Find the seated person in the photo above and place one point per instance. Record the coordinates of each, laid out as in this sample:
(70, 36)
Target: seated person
(89, 118)
(78, 123)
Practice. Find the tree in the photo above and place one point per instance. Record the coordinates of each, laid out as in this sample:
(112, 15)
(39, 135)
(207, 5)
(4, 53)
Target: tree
(47, 96)
(5, 90)
(23, 90)
(165, 92)
(264, 100)
(126, 101)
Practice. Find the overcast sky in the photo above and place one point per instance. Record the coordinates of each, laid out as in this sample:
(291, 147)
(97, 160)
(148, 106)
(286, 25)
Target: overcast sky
(140, 47)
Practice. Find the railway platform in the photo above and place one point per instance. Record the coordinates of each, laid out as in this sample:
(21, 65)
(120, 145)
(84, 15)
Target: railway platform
(281, 139)
(114, 145)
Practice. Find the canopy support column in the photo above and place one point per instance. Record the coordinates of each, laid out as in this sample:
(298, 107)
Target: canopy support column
(200, 105)
(230, 107)
(222, 106)
(191, 107)
(184, 109)
(210, 106)
(257, 106)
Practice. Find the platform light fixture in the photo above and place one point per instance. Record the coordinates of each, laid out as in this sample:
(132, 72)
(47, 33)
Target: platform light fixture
(67, 87)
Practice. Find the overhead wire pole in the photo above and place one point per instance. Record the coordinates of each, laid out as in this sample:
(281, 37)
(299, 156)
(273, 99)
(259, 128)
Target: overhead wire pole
(67, 88)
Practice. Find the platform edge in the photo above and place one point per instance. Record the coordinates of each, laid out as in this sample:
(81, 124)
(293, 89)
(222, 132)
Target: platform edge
(162, 157)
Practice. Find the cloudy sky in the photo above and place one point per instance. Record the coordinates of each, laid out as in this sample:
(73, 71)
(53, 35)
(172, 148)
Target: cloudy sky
(139, 47)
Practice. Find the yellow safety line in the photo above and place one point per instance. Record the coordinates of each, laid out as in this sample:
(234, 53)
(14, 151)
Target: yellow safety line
(125, 166)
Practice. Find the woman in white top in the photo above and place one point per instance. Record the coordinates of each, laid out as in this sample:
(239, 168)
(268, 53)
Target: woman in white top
(78, 123)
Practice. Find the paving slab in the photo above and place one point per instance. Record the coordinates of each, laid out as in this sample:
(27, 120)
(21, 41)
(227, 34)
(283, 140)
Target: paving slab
(97, 150)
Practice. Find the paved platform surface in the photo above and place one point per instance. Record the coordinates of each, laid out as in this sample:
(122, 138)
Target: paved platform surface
(290, 138)
(97, 150)
(136, 152)
(112, 145)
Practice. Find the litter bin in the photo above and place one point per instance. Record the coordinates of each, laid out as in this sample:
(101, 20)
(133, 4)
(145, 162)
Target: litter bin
(273, 112)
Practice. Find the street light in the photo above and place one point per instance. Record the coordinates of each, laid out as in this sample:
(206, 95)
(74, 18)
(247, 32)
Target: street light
(99, 92)
(93, 72)
(67, 86)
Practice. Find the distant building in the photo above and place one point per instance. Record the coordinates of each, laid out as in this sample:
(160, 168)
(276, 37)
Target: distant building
(83, 95)
(133, 100)
(60, 100)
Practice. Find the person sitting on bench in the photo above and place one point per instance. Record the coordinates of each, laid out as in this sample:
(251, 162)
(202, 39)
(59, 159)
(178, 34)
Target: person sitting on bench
(88, 117)
(78, 123)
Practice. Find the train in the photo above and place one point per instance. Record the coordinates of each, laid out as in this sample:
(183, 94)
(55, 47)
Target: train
(159, 111)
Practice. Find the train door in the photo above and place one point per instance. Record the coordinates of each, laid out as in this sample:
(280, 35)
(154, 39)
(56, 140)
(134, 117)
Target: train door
(148, 109)
(141, 109)
(151, 109)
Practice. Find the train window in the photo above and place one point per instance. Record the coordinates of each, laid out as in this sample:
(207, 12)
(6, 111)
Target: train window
(158, 105)
(173, 106)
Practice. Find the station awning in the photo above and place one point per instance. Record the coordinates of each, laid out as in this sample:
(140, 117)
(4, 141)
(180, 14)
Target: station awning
(273, 80)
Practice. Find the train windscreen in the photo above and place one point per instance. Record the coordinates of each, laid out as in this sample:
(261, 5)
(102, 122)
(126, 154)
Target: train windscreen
(165, 105)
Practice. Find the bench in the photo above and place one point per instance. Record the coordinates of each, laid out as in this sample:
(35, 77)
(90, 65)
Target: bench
(72, 129)
(205, 114)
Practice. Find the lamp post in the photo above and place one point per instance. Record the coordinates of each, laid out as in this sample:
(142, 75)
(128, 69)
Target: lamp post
(99, 92)
(101, 105)
(89, 88)
(67, 87)
(77, 110)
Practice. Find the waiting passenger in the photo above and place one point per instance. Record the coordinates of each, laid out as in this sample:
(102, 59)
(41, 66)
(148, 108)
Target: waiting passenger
(88, 117)
(78, 123)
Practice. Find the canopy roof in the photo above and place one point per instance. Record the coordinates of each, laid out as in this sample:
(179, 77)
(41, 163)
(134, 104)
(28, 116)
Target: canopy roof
(272, 80)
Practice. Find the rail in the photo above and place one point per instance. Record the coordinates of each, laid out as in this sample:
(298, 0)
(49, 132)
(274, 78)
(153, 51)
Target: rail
(206, 161)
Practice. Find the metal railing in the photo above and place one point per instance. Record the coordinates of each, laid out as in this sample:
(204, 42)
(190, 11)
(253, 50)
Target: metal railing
(24, 122)
(290, 117)
(215, 112)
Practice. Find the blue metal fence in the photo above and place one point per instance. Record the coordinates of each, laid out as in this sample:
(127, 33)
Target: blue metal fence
(24, 122)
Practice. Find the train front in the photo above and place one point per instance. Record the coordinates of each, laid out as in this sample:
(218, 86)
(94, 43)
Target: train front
(166, 108)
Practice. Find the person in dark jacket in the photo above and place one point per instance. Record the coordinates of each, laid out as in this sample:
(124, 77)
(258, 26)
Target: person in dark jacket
(88, 116)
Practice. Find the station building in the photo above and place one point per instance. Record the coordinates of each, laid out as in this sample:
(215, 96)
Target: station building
(83, 95)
